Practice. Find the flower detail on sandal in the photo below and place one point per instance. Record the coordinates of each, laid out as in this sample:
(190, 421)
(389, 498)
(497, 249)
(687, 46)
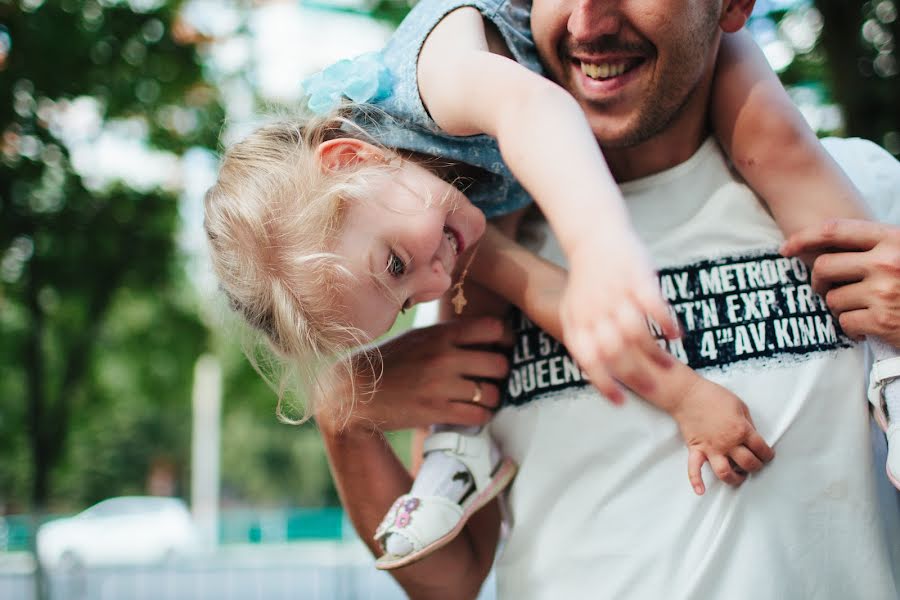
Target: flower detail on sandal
(404, 516)
(390, 518)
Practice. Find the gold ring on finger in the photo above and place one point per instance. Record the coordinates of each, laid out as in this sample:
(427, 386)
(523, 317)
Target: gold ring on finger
(477, 396)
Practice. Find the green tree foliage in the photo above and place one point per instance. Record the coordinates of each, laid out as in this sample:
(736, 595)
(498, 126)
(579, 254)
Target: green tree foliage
(852, 61)
(99, 328)
(859, 40)
(97, 344)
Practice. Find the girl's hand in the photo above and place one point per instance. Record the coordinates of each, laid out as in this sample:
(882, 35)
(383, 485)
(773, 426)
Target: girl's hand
(716, 426)
(857, 270)
(612, 289)
(427, 377)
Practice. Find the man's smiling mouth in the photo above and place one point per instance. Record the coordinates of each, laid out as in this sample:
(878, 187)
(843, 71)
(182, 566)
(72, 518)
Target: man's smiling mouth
(608, 69)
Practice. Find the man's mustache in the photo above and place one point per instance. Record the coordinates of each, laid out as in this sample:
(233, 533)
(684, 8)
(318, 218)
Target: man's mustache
(607, 45)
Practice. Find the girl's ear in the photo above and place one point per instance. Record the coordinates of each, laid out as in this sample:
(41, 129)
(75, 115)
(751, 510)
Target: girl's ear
(340, 153)
(735, 14)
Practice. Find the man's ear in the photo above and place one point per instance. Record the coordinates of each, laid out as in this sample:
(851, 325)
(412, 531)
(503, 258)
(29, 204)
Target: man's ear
(735, 14)
(340, 153)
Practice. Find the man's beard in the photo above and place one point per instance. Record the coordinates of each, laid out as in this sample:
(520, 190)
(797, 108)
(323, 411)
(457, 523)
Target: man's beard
(653, 119)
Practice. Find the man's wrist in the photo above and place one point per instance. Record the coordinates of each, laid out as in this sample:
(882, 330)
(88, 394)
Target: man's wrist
(343, 428)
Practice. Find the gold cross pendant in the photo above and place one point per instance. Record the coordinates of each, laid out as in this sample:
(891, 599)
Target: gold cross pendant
(459, 301)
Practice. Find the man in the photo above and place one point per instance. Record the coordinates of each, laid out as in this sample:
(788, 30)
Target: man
(601, 507)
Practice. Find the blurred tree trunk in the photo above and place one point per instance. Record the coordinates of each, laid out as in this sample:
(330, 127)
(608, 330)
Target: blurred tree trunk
(871, 103)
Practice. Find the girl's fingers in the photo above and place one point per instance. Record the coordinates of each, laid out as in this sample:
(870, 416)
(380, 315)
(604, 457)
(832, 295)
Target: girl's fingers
(639, 338)
(653, 305)
(696, 459)
(607, 386)
(745, 459)
(588, 353)
(758, 446)
(721, 466)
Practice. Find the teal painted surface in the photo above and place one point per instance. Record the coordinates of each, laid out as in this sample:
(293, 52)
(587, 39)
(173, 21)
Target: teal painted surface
(278, 526)
(235, 526)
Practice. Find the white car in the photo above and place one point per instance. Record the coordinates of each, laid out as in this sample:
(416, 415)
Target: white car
(125, 530)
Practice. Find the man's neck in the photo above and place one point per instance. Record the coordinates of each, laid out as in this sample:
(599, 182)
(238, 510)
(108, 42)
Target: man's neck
(670, 147)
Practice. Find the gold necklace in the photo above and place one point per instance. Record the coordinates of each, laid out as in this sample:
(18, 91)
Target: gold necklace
(459, 298)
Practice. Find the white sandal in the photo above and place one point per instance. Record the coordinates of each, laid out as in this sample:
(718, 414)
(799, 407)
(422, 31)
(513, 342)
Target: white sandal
(883, 372)
(430, 522)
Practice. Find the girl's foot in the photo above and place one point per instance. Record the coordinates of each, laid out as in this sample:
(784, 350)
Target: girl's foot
(441, 474)
(460, 474)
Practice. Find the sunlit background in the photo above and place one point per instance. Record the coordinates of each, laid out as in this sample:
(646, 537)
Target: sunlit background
(112, 116)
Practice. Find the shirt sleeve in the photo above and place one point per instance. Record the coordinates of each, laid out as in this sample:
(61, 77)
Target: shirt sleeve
(874, 171)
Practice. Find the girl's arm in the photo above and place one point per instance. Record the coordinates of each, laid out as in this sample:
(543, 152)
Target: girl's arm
(549, 146)
(714, 423)
(771, 144)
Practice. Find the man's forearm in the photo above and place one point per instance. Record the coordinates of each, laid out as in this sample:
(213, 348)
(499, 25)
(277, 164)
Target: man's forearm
(369, 477)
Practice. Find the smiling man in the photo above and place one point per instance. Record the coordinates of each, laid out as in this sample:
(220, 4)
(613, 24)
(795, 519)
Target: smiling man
(601, 508)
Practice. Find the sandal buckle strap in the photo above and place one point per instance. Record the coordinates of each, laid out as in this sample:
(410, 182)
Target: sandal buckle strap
(452, 441)
(885, 370)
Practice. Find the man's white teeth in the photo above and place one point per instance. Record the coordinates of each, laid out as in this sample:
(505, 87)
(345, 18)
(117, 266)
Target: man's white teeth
(603, 70)
(451, 237)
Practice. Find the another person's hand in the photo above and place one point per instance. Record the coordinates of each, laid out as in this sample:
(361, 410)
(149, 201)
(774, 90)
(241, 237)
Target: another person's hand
(611, 291)
(717, 427)
(427, 376)
(857, 270)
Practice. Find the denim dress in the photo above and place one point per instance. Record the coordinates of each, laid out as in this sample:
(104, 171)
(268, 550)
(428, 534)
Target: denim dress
(402, 122)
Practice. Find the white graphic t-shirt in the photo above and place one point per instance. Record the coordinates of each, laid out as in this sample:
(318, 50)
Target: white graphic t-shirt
(602, 508)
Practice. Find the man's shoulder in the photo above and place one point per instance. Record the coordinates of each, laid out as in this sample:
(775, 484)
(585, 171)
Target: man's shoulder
(874, 171)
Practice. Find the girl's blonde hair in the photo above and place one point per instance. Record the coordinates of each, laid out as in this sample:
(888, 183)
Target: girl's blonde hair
(271, 220)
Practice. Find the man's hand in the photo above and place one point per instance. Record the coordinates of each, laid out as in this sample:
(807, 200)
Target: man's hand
(857, 270)
(611, 292)
(427, 376)
(716, 426)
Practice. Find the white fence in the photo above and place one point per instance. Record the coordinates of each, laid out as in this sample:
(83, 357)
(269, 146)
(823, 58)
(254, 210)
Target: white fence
(301, 571)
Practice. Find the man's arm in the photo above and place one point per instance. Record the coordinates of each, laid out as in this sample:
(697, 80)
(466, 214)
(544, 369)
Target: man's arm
(369, 477)
(424, 381)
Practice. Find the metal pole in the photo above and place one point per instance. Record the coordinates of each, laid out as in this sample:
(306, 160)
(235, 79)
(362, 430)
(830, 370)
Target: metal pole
(205, 450)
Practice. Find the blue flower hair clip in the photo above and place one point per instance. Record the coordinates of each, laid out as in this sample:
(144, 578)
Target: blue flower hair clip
(363, 79)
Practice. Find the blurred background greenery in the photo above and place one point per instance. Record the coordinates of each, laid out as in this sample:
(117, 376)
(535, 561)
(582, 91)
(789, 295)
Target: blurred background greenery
(111, 113)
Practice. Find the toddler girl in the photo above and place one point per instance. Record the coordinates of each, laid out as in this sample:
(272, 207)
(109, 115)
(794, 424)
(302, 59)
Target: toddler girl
(319, 236)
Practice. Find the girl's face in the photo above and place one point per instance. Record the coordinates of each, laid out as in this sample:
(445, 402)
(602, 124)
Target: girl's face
(403, 245)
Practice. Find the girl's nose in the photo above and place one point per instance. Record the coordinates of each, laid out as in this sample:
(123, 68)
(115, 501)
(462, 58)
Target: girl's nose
(430, 283)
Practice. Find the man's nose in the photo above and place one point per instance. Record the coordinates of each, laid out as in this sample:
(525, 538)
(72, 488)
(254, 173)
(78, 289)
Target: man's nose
(591, 19)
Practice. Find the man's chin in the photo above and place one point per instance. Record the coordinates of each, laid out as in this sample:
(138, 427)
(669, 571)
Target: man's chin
(612, 132)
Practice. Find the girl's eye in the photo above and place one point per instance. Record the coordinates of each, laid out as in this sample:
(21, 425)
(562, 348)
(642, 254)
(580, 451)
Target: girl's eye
(395, 266)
